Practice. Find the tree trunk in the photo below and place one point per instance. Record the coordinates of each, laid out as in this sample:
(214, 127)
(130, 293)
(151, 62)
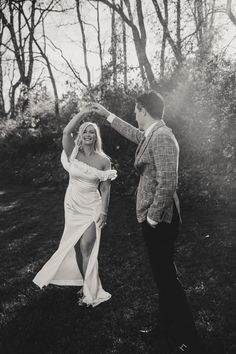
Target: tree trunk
(83, 43)
(229, 12)
(140, 39)
(100, 43)
(178, 26)
(12, 99)
(144, 64)
(203, 15)
(45, 57)
(2, 103)
(200, 21)
(125, 66)
(136, 39)
(163, 44)
(176, 49)
(19, 39)
(56, 99)
(114, 45)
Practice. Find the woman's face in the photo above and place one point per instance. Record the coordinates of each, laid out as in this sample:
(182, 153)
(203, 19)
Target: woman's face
(89, 135)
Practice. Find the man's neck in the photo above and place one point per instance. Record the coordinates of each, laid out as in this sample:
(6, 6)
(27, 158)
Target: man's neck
(150, 122)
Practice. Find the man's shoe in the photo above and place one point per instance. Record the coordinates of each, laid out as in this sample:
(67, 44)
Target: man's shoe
(147, 330)
(153, 332)
(187, 349)
(183, 348)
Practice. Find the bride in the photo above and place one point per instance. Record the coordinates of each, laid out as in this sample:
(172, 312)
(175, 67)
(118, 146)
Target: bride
(86, 206)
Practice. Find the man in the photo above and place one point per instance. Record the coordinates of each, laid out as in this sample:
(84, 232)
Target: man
(158, 211)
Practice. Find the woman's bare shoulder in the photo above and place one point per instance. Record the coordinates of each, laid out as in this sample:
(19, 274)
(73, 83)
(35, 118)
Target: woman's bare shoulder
(104, 161)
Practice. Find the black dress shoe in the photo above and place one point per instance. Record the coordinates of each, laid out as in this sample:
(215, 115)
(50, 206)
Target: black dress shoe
(153, 332)
(183, 348)
(147, 330)
(188, 349)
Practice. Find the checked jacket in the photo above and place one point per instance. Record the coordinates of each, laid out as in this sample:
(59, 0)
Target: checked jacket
(156, 160)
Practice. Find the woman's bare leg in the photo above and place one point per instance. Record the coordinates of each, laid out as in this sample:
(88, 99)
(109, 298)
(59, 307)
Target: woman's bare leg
(84, 247)
(79, 259)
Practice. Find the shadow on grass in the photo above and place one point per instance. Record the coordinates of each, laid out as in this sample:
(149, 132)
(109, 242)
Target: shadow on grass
(50, 321)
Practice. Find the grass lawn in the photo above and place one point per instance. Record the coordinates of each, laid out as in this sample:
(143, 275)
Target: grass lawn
(49, 320)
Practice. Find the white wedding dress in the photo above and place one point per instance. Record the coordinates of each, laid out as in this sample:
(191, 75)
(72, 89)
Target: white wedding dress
(82, 207)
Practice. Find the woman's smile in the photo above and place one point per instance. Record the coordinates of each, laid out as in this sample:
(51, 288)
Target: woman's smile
(89, 135)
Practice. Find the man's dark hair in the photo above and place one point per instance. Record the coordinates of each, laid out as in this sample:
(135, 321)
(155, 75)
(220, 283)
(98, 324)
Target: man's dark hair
(153, 102)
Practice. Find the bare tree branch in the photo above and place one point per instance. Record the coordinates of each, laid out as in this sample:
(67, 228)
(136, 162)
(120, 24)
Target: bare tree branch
(140, 44)
(74, 71)
(229, 12)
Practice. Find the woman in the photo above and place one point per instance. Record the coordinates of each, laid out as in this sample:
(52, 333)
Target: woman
(86, 205)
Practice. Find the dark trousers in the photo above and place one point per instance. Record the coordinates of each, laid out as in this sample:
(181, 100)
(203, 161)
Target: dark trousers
(173, 305)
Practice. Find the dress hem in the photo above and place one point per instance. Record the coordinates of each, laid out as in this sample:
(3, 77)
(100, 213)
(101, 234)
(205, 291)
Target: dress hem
(97, 301)
(67, 282)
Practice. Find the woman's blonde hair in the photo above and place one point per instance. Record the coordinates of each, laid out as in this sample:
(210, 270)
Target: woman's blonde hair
(98, 141)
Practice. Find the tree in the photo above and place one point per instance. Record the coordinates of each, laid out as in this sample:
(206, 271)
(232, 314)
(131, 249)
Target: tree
(229, 12)
(163, 44)
(139, 37)
(114, 45)
(125, 65)
(22, 18)
(48, 64)
(99, 41)
(203, 16)
(22, 43)
(174, 44)
(2, 104)
(78, 4)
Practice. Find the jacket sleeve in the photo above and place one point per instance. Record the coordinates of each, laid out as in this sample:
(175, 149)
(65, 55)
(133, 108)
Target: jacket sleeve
(165, 156)
(127, 130)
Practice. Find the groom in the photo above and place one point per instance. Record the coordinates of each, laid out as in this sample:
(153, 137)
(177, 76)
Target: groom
(158, 211)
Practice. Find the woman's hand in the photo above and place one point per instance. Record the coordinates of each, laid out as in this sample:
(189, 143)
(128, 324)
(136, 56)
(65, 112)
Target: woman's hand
(85, 109)
(98, 108)
(102, 220)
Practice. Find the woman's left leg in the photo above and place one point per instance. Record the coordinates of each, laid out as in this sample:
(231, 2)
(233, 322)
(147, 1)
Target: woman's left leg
(79, 258)
(84, 247)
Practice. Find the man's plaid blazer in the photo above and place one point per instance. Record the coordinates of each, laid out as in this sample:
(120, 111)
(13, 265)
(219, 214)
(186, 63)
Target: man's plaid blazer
(156, 160)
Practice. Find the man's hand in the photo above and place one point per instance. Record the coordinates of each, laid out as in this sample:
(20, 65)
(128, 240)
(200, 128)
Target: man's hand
(152, 223)
(152, 226)
(98, 108)
(85, 109)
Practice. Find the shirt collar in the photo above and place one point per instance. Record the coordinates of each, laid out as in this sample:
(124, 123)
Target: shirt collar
(150, 128)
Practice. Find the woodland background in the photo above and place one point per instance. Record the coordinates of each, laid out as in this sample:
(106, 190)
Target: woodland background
(114, 51)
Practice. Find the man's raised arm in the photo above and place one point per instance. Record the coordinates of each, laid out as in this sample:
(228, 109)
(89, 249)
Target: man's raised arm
(122, 127)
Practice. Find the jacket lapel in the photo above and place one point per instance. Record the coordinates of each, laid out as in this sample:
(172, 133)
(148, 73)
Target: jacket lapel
(142, 147)
(139, 145)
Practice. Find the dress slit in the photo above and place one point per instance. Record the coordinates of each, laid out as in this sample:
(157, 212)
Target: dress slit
(82, 206)
(50, 273)
(94, 251)
(78, 243)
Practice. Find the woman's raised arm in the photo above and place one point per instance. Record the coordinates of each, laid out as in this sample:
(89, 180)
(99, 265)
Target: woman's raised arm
(68, 138)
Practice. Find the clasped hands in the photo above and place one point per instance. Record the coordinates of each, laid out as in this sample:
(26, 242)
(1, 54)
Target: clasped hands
(94, 107)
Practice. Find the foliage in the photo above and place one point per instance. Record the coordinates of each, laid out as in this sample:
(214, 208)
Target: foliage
(199, 108)
(201, 111)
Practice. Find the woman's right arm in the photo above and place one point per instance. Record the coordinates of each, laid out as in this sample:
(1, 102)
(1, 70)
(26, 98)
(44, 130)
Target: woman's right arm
(68, 138)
